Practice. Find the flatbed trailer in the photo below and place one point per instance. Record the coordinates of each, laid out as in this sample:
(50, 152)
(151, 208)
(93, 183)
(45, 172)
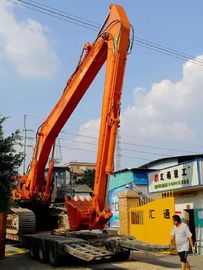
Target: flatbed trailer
(84, 245)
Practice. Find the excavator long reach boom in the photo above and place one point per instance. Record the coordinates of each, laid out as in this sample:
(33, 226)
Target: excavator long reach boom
(111, 45)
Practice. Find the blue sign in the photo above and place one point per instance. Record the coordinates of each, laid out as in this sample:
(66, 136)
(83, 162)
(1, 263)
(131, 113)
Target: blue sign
(113, 204)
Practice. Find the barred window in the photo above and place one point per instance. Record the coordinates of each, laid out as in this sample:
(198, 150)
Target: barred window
(137, 217)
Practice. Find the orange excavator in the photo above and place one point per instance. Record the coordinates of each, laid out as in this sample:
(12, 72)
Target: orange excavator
(34, 189)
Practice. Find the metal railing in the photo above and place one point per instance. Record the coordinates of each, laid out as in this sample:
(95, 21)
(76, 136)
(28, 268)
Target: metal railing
(199, 246)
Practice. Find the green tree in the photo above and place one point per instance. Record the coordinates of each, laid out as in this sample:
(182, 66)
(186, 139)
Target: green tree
(10, 160)
(88, 178)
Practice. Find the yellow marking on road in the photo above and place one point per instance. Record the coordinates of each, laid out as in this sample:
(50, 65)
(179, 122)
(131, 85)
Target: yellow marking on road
(15, 251)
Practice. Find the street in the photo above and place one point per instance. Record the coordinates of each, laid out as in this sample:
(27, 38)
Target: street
(18, 259)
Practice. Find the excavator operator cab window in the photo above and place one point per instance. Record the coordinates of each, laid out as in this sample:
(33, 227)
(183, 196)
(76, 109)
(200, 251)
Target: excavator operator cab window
(61, 177)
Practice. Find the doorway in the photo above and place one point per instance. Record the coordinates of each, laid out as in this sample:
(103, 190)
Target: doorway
(191, 223)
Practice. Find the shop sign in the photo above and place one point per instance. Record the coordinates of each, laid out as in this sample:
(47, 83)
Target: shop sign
(176, 177)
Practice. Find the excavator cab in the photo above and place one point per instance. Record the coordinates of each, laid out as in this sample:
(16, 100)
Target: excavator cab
(61, 177)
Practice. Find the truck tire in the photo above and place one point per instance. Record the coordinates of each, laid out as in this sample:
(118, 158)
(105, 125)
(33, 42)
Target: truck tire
(122, 255)
(42, 252)
(33, 249)
(54, 257)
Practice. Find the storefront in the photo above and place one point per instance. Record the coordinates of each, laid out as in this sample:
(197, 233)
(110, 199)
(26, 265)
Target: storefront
(185, 182)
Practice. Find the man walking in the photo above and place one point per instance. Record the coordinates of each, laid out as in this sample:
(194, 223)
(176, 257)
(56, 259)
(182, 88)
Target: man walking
(183, 238)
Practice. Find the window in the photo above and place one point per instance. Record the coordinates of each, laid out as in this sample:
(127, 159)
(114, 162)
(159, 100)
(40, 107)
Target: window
(137, 217)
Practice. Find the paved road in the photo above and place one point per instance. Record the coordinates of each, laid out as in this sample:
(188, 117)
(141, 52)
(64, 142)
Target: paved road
(17, 259)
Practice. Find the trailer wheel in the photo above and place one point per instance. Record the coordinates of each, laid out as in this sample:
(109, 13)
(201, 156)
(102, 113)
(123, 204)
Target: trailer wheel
(42, 252)
(123, 255)
(33, 250)
(54, 257)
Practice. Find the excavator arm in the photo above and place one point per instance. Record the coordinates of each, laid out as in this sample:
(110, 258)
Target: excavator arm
(111, 45)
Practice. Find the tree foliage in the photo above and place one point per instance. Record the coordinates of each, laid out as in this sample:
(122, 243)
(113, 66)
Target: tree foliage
(88, 178)
(10, 160)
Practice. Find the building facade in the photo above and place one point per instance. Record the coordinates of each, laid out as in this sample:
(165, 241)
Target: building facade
(180, 177)
(132, 179)
(77, 169)
(183, 180)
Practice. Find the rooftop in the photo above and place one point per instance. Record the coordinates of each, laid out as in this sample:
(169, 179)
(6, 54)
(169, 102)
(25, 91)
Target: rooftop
(133, 170)
(166, 159)
(79, 163)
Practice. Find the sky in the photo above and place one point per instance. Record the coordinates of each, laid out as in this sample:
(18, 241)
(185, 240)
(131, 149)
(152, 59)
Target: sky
(162, 95)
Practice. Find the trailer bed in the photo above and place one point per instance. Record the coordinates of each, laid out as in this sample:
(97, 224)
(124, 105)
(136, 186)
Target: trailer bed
(84, 245)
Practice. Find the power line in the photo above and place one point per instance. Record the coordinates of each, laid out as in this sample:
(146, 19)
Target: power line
(163, 50)
(94, 151)
(57, 12)
(76, 148)
(126, 135)
(121, 148)
(77, 20)
(158, 148)
(158, 139)
(167, 49)
(53, 12)
(125, 142)
(66, 13)
(136, 144)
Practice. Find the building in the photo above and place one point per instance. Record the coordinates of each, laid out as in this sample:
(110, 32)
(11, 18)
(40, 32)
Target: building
(77, 169)
(179, 176)
(132, 179)
(182, 177)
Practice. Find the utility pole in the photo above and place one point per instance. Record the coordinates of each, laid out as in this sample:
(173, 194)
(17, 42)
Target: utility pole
(118, 151)
(25, 130)
(25, 142)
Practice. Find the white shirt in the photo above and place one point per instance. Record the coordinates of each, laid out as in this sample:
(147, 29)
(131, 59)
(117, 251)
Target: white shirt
(181, 233)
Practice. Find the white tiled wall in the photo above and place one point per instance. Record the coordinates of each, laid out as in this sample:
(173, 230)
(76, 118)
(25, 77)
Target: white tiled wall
(195, 200)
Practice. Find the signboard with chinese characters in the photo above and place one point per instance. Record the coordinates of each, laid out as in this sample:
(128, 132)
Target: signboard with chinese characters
(176, 177)
(151, 222)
